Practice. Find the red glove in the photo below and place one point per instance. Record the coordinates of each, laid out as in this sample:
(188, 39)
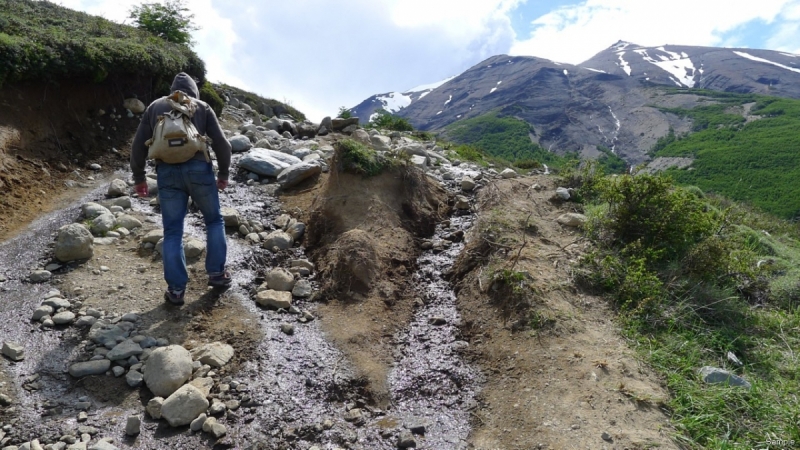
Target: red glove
(141, 189)
(222, 184)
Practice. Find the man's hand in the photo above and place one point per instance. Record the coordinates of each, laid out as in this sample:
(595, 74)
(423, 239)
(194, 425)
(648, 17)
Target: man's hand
(141, 189)
(222, 184)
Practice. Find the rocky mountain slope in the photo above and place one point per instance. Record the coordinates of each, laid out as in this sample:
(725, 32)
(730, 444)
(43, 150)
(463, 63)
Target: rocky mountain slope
(611, 100)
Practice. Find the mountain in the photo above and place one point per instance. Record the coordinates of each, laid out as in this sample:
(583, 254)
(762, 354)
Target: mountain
(393, 102)
(613, 100)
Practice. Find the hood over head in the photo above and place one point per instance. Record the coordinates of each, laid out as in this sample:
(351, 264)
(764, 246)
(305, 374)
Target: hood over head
(184, 82)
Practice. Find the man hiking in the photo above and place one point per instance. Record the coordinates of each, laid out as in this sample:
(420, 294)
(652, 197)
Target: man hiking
(192, 176)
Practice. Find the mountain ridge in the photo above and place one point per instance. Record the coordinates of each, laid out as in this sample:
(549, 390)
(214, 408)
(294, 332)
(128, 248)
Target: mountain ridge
(613, 99)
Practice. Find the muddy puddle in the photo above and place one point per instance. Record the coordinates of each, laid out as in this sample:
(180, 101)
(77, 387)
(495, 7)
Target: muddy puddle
(301, 390)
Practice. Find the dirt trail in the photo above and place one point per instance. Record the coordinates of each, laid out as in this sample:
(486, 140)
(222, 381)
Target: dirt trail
(559, 375)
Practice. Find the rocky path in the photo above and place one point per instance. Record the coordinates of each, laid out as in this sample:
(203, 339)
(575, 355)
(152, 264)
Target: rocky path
(252, 360)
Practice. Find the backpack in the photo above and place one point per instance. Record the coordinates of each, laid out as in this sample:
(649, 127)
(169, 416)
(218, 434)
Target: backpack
(175, 139)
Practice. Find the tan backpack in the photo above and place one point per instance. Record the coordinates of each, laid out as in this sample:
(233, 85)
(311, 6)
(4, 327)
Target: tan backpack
(175, 139)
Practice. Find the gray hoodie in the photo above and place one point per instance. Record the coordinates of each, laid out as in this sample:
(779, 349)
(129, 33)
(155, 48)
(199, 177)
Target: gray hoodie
(204, 120)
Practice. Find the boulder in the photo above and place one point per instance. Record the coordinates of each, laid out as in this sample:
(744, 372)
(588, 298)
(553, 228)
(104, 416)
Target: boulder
(572, 220)
(295, 229)
(339, 124)
(273, 124)
(75, 242)
(134, 105)
(240, 144)
(280, 280)
(215, 354)
(203, 384)
(306, 130)
(563, 193)
(42, 311)
(294, 174)
(267, 162)
(167, 369)
(289, 127)
(64, 318)
(123, 202)
(462, 203)
(274, 299)
(419, 161)
(40, 276)
(362, 136)
(183, 406)
(326, 123)
(279, 239)
(118, 188)
(508, 173)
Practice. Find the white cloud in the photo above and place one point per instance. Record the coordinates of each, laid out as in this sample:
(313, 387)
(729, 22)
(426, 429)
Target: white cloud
(575, 33)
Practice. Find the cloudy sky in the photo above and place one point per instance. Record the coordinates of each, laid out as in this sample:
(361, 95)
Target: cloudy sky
(319, 55)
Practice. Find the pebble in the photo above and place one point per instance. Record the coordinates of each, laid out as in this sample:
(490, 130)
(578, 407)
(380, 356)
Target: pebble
(118, 371)
(607, 437)
(82, 416)
(154, 407)
(406, 439)
(287, 328)
(13, 351)
(197, 424)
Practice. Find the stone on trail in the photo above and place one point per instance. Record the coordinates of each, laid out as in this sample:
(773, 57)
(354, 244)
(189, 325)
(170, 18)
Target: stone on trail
(92, 210)
(125, 201)
(294, 174)
(154, 406)
(572, 220)
(74, 242)
(13, 351)
(183, 406)
(295, 229)
(134, 378)
(563, 193)
(41, 312)
(133, 426)
(462, 203)
(192, 248)
(714, 375)
(40, 276)
(100, 445)
(84, 369)
(231, 217)
(128, 222)
(267, 162)
(406, 440)
(117, 188)
(279, 239)
(509, 173)
(85, 321)
(467, 184)
(197, 424)
(240, 143)
(56, 303)
(302, 289)
(215, 354)
(203, 384)
(103, 332)
(103, 223)
(280, 279)
(167, 369)
(64, 318)
(153, 236)
(275, 299)
(124, 350)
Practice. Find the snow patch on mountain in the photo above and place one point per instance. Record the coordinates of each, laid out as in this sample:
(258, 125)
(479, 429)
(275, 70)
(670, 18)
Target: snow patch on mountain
(595, 70)
(429, 86)
(394, 101)
(449, 100)
(766, 61)
(624, 64)
(679, 66)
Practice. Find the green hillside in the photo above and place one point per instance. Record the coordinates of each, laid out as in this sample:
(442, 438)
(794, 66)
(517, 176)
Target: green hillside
(756, 162)
(506, 138)
(40, 40)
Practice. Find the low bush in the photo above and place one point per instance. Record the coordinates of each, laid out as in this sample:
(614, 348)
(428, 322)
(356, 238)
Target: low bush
(360, 159)
(209, 95)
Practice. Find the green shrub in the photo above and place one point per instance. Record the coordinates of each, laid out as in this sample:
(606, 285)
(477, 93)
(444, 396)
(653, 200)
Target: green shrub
(528, 164)
(209, 95)
(169, 20)
(386, 121)
(358, 158)
(344, 113)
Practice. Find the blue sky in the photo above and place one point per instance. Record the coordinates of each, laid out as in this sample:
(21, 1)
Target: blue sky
(319, 55)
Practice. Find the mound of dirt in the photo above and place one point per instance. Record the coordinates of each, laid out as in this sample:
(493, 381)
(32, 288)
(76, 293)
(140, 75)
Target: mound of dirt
(559, 375)
(362, 234)
(51, 132)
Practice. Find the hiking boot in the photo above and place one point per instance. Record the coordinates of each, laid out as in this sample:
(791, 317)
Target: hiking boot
(222, 280)
(174, 297)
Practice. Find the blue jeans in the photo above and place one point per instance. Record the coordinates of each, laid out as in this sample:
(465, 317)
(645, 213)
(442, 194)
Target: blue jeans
(176, 182)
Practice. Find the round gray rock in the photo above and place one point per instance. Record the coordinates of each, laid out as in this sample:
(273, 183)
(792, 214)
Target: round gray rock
(167, 369)
(183, 406)
(74, 242)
